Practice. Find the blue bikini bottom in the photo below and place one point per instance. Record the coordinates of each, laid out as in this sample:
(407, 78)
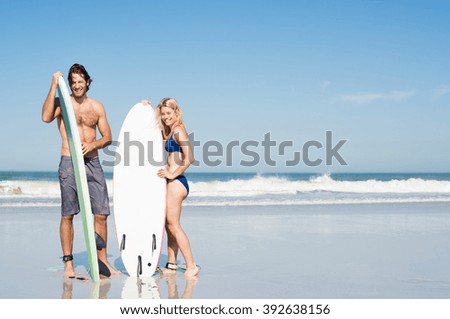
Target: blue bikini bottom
(183, 181)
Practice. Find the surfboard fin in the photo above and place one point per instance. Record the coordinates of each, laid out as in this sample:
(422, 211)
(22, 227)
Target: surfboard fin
(154, 244)
(99, 242)
(122, 243)
(139, 266)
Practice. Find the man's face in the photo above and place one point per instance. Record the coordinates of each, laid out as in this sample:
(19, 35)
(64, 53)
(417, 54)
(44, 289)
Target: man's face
(78, 86)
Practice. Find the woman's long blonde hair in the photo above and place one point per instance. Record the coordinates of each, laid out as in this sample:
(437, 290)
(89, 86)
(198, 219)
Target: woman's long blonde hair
(173, 104)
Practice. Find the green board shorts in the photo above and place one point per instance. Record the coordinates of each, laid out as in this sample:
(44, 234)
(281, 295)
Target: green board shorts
(98, 191)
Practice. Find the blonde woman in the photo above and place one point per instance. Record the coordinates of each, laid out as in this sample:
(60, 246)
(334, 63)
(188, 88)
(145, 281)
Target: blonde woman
(180, 157)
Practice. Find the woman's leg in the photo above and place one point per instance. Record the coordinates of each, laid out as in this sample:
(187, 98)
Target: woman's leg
(176, 193)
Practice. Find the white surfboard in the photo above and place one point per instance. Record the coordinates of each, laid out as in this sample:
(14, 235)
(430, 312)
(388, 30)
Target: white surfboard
(139, 195)
(80, 177)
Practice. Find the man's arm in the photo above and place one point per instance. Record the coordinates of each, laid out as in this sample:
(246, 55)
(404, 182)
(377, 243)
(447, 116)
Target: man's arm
(51, 108)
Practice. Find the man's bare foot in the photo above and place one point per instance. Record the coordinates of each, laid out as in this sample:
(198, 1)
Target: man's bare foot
(68, 269)
(69, 273)
(112, 270)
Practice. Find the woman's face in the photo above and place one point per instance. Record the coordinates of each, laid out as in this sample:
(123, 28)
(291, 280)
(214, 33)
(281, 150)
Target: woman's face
(168, 116)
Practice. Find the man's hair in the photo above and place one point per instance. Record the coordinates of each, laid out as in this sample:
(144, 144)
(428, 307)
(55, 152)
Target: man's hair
(80, 70)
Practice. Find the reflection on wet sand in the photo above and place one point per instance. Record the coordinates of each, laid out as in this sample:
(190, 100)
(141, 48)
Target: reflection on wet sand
(172, 287)
(97, 290)
(134, 288)
(140, 288)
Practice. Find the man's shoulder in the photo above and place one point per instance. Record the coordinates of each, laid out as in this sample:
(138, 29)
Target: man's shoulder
(97, 105)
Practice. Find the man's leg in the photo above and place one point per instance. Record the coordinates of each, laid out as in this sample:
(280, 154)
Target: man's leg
(69, 208)
(101, 228)
(100, 205)
(66, 233)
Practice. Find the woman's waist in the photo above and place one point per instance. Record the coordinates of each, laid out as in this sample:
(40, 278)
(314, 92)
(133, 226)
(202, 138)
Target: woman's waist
(175, 160)
(174, 167)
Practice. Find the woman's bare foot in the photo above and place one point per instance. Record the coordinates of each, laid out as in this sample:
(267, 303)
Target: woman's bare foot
(168, 271)
(191, 272)
(171, 268)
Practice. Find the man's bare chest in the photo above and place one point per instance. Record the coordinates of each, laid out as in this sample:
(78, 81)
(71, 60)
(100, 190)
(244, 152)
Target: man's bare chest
(86, 116)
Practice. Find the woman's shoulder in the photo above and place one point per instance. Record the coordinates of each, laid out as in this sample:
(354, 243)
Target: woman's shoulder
(179, 131)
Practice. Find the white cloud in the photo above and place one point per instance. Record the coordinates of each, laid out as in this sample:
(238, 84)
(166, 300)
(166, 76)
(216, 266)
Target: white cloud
(367, 97)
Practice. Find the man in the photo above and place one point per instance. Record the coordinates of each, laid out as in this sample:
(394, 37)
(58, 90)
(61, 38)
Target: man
(90, 115)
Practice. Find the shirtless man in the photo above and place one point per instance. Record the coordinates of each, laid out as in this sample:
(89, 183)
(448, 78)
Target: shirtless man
(90, 115)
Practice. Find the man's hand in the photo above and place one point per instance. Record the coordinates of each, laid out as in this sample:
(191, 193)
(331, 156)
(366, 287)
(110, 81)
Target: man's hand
(55, 77)
(88, 147)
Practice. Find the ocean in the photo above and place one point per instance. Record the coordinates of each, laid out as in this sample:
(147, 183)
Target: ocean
(41, 189)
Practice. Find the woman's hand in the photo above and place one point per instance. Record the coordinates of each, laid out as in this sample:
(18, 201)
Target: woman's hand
(146, 102)
(164, 173)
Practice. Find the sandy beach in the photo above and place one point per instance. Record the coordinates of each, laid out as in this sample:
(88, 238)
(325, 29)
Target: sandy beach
(320, 251)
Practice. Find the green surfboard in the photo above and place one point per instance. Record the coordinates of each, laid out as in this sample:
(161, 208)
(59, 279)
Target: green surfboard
(80, 177)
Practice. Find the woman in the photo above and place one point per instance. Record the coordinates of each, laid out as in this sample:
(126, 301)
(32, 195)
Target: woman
(179, 158)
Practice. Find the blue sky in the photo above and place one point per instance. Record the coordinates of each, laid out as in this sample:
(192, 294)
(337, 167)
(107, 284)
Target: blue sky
(375, 73)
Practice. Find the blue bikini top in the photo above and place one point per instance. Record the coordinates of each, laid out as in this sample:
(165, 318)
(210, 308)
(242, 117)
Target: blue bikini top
(172, 145)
